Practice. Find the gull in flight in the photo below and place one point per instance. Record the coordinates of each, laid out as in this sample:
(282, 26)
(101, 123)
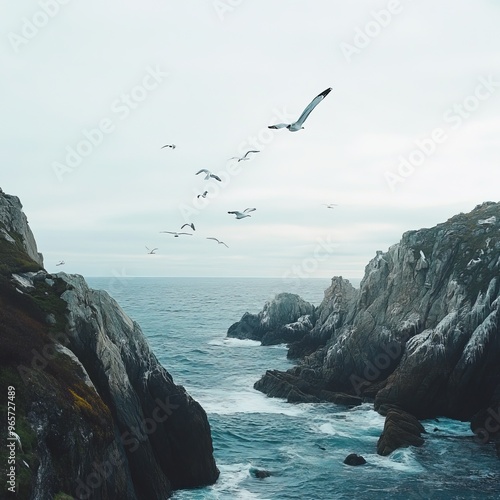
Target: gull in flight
(245, 156)
(241, 215)
(151, 252)
(191, 225)
(219, 242)
(293, 127)
(208, 174)
(17, 438)
(61, 263)
(330, 205)
(175, 233)
(173, 146)
(203, 195)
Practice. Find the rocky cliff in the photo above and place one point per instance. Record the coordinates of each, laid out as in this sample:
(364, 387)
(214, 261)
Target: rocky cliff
(420, 334)
(96, 414)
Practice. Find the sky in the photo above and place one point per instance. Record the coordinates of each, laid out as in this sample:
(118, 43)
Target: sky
(407, 138)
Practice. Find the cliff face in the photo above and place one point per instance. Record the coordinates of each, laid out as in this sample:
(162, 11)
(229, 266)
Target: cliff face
(97, 415)
(422, 331)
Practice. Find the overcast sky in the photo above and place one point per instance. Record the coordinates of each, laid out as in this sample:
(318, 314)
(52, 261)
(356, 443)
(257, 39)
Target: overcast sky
(408, 137)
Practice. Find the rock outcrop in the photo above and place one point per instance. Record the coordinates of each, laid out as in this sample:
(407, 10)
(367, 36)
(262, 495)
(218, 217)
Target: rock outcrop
(422, 330)
(97, 414)
(286, 318)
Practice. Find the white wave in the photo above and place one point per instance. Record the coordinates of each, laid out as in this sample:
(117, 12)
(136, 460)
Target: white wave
(243, 400)
(402, 460)
(230, 342)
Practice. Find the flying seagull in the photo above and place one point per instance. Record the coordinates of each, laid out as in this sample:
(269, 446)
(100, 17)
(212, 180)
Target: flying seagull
(245, 156)
(219, 242)
(293, 127)
(175, 233)
(17, 438)
(203, 195)
(208, 174)
(241, 215)
(151, 252)
(169, 146)
(330, 205)
(61, 263)
(191, 225)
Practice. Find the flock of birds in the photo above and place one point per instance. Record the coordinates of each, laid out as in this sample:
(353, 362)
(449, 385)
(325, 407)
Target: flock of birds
(208, 175)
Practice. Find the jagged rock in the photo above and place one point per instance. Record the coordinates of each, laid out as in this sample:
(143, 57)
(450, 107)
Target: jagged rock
(354, 459)
(278, 320)
(259, 473)
(99, 416)
(422, 331)
(401, 429)
(14, 222)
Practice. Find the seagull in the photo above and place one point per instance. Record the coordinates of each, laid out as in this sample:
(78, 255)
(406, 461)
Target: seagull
(189, 225)
(208, 174)
(330, 205)
(61, 263)
(169, 146)
(204, 195)
(241, 215)
(245, 156)
(293, 127)
(219, 242)
(422, 255)
(151, 252)
(175, 233)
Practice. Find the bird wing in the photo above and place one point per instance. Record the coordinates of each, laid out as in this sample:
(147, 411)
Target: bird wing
(223, 244)
(189, 234)
(235, 212)
(235, 157)
(169, 232)
(210, 238)
(216, 177)
(204, 170)
(279, 125)
(249, 210)
(183, 225)
(251, 151)
(311, 106)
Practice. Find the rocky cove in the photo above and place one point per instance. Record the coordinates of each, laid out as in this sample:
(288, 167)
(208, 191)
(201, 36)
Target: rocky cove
(96, 414)
(419, 338)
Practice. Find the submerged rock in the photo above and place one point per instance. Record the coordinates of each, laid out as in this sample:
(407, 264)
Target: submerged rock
(354, 459)
(401, 429)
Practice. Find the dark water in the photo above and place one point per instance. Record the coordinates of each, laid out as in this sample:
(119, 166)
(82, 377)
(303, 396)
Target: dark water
(186, 320)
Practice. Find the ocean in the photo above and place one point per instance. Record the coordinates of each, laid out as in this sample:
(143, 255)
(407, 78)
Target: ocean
(303, 446)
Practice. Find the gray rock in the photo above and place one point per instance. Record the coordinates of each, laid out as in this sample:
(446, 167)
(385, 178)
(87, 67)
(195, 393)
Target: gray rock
(278, 322)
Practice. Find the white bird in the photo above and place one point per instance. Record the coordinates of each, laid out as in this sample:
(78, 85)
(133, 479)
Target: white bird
(219, 242)
(151, 252)
(241, 215)
(330, 205)
(422, 255)
(61, 263)
(293, 127)
(208, 174)
(175, 233)
(203, 195)
(191, 225)
(245, 156)
(173, 146)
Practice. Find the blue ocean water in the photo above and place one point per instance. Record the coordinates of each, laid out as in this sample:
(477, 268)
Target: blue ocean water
(303, 445)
